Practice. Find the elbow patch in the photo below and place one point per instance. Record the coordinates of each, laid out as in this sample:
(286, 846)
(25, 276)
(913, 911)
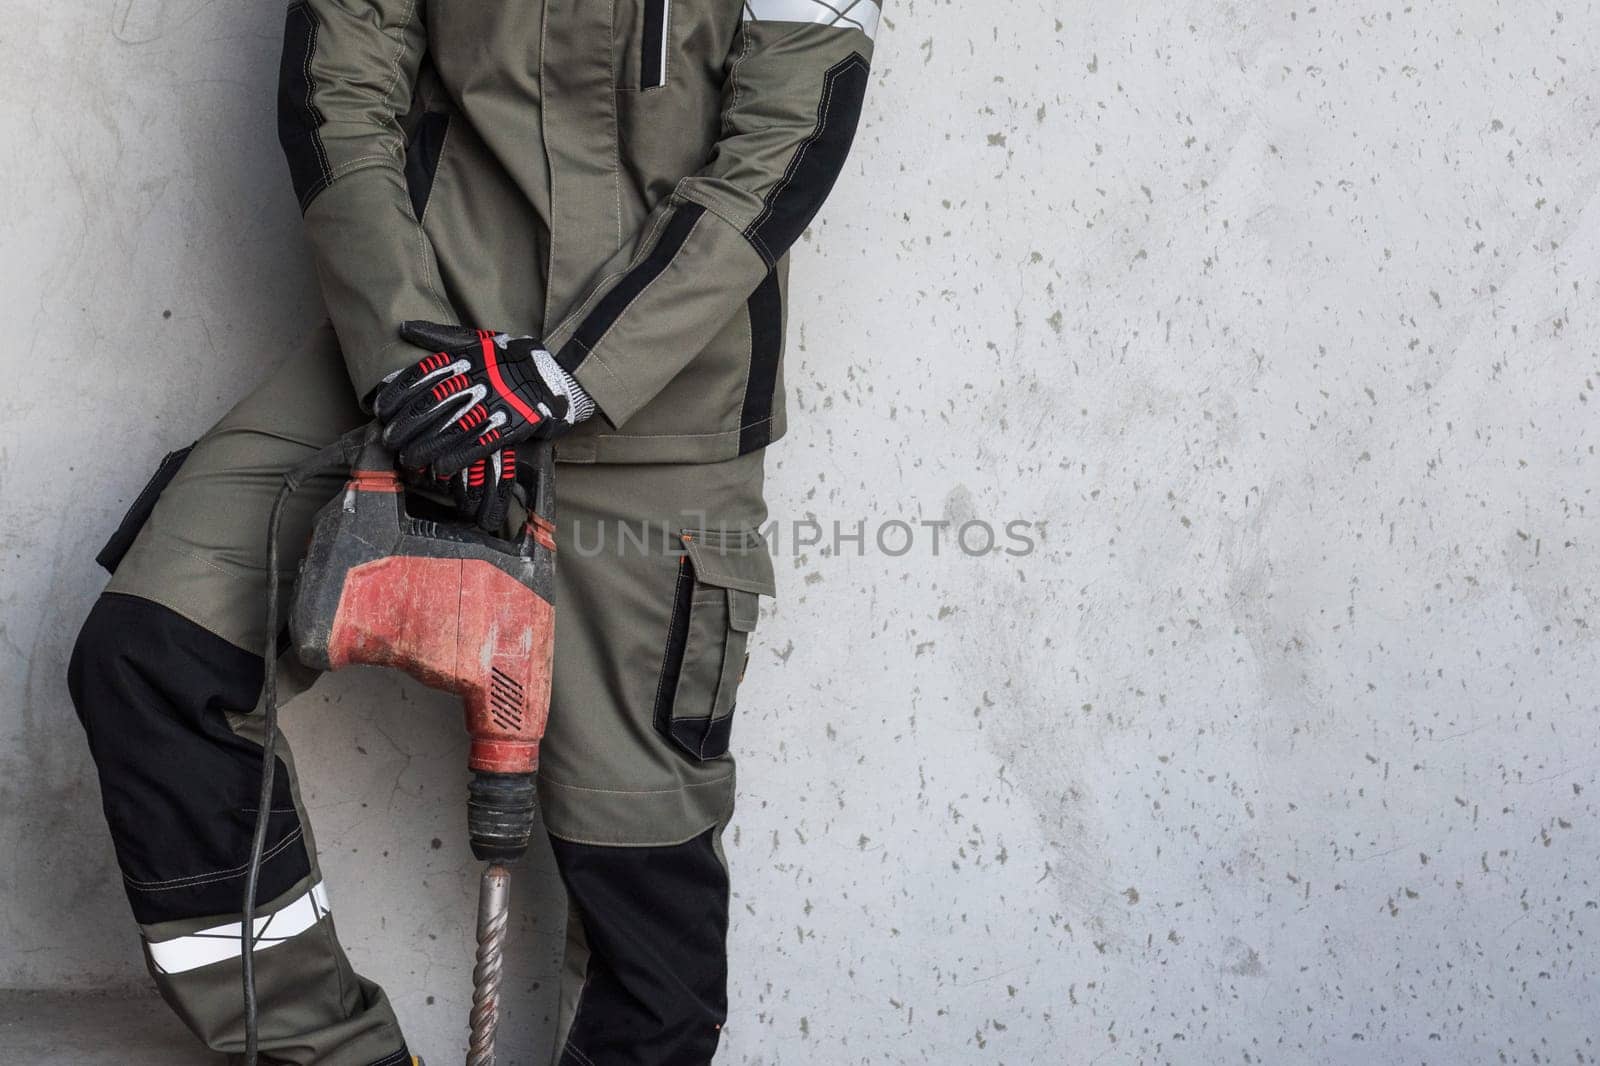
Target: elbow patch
(815, 166)
(299, 120)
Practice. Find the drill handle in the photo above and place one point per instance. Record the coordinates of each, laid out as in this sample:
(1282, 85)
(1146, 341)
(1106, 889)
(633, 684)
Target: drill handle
(537, 477)
(371, 454)
(372, 465)
(360, 448)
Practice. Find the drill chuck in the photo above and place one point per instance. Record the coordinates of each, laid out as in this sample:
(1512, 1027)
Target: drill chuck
(500, 813)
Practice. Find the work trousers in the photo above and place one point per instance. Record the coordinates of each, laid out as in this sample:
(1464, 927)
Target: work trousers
(659, 569)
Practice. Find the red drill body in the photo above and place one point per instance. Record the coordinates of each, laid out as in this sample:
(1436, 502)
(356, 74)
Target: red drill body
(456, 609)
(492, 648)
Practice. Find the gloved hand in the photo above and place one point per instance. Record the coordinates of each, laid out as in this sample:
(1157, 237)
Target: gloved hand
(458, 412)
(481, 491)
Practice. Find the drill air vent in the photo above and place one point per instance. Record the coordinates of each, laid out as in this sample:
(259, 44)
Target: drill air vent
(505, 700)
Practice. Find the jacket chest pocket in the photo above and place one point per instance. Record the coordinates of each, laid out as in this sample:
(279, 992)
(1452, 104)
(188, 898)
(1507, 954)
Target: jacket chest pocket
(715, 605)
(642, 30)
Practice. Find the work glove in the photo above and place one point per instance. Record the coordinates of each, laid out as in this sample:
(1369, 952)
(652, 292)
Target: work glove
(481, 491)
(458, 414)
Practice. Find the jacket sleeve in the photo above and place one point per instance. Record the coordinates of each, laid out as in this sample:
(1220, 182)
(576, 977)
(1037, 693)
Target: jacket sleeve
(344, 83)
(795, 82)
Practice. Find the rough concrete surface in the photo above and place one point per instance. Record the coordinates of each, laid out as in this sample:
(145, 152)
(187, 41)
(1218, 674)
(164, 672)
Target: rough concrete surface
(1275, 320)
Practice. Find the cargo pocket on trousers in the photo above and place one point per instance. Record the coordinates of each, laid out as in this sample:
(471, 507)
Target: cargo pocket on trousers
(139, 510)
(715, 604)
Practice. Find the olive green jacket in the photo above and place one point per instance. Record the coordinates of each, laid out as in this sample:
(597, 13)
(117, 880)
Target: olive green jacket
(623, 178)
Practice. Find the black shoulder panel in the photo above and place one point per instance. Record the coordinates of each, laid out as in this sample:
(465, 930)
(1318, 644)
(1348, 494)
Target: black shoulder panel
(299, 121)
(794, 202)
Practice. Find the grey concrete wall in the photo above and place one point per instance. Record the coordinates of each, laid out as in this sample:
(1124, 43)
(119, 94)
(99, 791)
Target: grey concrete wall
(1276, 319)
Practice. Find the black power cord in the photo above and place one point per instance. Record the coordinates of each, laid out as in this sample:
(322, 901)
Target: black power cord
(341, 453)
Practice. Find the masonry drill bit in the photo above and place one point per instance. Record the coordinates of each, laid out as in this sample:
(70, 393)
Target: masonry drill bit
(494, 895)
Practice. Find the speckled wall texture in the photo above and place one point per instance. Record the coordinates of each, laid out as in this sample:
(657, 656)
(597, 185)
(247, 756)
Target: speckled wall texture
(1273, 323)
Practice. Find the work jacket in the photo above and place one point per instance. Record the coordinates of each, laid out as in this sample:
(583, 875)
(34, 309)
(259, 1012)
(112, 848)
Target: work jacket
(620, 178)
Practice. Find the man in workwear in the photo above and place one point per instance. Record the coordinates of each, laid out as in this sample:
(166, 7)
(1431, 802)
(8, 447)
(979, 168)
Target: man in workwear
(583, 212)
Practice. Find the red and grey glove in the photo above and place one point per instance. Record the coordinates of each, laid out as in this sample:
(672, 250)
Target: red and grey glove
(459, 413)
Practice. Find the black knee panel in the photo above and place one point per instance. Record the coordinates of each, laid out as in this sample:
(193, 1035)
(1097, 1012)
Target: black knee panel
(656, 920)
(179, 786)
